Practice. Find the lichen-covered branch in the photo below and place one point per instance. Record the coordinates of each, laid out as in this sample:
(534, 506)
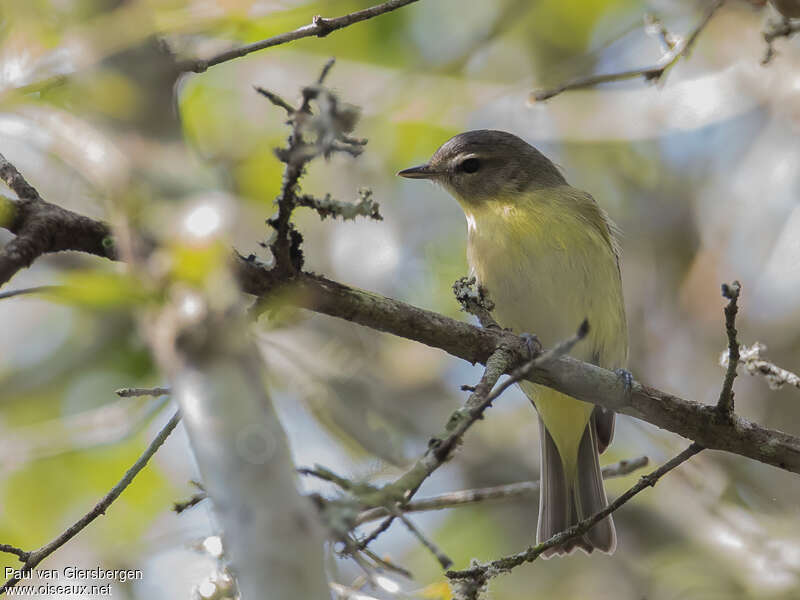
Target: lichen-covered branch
(328, 207)
(312, 135)
(400, 492)
(475, 300)
(692, 420)
(396, 495)
(755, 364)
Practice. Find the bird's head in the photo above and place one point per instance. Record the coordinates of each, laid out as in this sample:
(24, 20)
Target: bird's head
(483, 165)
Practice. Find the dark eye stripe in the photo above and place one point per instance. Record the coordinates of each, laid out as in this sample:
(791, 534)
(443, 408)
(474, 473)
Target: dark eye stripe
(471, 165)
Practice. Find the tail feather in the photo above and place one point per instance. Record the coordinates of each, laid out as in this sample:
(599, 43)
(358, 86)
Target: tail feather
(564, 501)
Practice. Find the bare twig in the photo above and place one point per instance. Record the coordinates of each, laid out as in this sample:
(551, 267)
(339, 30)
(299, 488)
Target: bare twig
(276, 100)
(325, 474)
(498, 492)
(652, 73)
(135, 392)
(443, 559)
(27, 291)
(380, 562)
(784, 28)
(193, 500)
(21, 554)
(755, 364)
(653, 26)
(480, 573)
(319, 27)
(725, 402)
(441, 447)
(31, 559)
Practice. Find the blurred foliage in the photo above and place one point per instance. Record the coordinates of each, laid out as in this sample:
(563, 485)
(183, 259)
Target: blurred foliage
(701, 174)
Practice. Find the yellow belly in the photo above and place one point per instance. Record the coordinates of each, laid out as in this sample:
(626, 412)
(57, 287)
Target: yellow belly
(546, 271)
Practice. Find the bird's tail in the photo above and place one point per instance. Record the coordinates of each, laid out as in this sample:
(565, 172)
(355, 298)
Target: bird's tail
(565, 500)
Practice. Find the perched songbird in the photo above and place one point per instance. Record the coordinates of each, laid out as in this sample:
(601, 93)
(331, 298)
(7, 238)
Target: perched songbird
(547, 255)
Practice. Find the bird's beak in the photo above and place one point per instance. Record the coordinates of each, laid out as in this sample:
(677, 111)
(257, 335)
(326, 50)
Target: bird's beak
(421, 172)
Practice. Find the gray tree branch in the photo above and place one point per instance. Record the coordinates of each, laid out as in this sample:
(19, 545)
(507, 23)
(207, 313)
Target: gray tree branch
(319, 27)
(498, 492)
(689, 419)
(469, 583)
(692, 420)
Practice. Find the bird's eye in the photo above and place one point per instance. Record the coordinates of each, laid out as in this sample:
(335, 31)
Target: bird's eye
(471, 165)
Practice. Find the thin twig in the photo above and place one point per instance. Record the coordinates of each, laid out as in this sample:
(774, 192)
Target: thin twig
(651, 73)
(498, 492)
(21, 554)
(275, 99)
(385, 564)
(325, 71)
(319, 27)
(440, 448)
(654, 27)
(135, 392)
(373, 535)
(194, 500)
(725, 404)
(785, 28)
(482, 572)
(35, 557)
(325, 474)
(26, 291)
(440, 556)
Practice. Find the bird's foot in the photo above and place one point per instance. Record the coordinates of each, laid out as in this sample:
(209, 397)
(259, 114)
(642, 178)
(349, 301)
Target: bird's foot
(626, 378)
(533, 344)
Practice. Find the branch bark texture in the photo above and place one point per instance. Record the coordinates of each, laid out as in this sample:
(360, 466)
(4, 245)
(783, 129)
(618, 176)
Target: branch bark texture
(695, 421)
(701, 423)
(41, 227)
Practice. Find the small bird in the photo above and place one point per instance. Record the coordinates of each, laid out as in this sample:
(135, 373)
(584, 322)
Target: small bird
(547, 255)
